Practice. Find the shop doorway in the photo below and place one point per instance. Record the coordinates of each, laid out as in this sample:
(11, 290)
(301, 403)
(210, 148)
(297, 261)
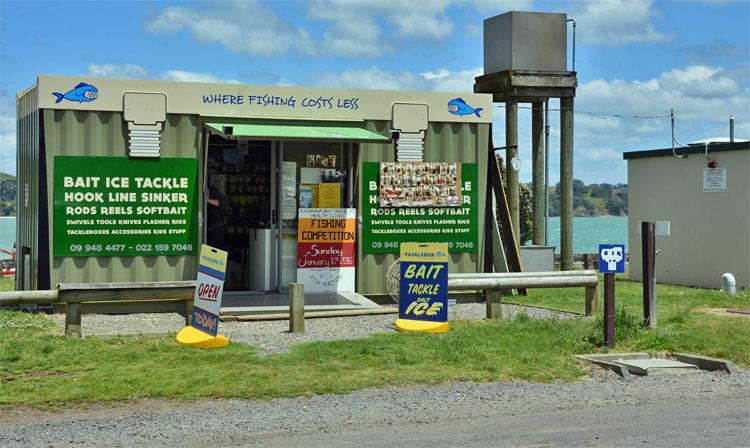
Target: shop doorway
(254, 189)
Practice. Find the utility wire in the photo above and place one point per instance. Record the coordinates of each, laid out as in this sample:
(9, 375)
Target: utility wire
(600, 114)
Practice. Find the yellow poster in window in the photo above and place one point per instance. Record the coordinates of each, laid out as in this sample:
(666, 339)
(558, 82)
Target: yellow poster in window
(329, 195)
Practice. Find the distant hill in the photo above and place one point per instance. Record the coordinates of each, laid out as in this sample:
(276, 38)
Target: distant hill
(7, 195)
(593, 200)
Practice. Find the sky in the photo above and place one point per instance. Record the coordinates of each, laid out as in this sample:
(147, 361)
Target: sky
(634, 58)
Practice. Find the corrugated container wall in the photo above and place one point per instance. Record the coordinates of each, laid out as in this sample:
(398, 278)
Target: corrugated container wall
(76, 133)
(27, 187)
(444, 142)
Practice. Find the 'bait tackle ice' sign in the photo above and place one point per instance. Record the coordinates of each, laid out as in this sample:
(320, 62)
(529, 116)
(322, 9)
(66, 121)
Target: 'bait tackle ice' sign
(423, 304)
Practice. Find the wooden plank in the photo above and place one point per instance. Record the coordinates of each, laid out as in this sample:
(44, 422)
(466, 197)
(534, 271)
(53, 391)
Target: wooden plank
(512, 254)
(126, 285)
(148, 306)
(554, 82)
(27, 297)
(127, 295)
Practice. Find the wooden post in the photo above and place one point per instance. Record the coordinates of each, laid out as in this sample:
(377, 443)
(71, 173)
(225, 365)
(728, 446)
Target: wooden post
(297, 307)
(566, 184)
(537, 178)
(511, 175)
(586, 261)
(609, 310)
(592, 300)
(648, 255)
(494, 305)
(188, 312)
(73, 320)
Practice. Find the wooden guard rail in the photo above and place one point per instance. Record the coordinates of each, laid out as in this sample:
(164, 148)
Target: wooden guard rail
(114, 298)
(494, 283)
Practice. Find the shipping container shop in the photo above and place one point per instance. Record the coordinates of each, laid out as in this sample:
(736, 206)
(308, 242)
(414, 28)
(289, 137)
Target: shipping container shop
(123, 180)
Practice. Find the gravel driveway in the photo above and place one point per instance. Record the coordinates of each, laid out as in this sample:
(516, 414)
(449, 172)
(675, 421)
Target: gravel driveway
(701, 409)
(274, 337)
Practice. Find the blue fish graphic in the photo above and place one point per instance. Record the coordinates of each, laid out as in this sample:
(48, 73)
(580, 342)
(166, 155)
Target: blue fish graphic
(458, 106)
(82, 93)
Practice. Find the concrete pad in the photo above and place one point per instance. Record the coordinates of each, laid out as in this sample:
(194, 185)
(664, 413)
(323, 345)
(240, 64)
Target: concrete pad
(657, 366)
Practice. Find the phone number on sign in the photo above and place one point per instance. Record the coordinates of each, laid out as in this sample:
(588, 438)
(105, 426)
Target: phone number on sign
(396, 245)
(159, 248)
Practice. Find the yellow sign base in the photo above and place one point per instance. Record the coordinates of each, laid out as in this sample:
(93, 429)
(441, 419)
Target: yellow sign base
(196, 338)
(421, 326)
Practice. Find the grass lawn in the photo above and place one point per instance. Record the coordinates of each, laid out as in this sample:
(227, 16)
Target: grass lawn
(44, 370)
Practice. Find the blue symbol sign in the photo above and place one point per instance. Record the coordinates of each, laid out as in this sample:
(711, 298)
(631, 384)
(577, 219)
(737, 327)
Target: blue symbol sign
(458, 106)
(83, 93)
(611, 258)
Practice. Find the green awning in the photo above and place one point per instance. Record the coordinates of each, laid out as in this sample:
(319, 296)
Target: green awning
(294, 131)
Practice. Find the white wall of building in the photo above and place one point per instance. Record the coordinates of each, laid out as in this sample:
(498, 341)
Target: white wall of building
(710, 232)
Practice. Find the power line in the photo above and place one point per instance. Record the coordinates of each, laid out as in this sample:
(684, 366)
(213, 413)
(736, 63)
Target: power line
(600, 114)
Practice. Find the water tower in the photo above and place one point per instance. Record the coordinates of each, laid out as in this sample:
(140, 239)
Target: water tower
(525, 61)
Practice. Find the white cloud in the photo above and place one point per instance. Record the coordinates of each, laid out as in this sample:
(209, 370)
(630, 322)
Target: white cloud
(602, 154)
(371, 78)
(242, 26)
(616, 22)
(700, 81)
(356, 29)
(442, 80)
(117, 71)
(185, 76)
(136, 71)
(697, 93)
(495, 7)
(446, 81)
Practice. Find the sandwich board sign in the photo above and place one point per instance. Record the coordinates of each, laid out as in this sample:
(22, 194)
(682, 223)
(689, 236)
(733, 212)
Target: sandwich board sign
(209, 285)
(423, 304)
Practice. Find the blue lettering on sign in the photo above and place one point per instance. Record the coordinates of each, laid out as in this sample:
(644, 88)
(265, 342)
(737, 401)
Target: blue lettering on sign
(204, 321)
(424, 291)
(282, 101)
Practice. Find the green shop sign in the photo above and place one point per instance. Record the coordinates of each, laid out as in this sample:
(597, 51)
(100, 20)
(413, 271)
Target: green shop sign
(385, 228)
(116, 206)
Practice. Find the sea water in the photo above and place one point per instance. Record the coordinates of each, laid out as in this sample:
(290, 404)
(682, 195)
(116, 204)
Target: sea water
(589, 232)
(7, 234)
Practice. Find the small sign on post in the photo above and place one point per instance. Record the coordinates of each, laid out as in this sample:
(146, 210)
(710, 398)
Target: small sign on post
(423, 292)
(209, 286)
(611, 261)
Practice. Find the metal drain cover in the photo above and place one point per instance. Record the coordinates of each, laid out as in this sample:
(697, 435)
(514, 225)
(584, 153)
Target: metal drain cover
(657, 366)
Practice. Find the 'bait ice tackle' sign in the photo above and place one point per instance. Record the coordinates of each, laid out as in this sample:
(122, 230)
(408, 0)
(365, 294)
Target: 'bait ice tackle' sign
(424, 287)
(208, 289)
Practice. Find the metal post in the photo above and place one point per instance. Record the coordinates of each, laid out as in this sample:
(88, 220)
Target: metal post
(297, 307)
(537, 180)
(511, 175)
(609, 310)
(566, 184)
(648, 255)
(546, 172)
